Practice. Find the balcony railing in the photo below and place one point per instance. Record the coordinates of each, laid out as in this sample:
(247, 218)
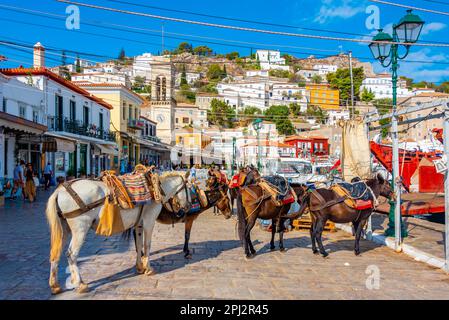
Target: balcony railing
(152, 138)
(77, 127)
(136, 124)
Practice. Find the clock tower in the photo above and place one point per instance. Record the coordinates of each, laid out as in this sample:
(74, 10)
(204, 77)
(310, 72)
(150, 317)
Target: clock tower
(161, 107)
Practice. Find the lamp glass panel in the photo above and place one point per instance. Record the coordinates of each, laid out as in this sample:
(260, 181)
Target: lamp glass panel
(374, 47)
(384, 50)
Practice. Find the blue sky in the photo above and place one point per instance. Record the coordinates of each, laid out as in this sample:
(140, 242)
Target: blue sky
(348, 16)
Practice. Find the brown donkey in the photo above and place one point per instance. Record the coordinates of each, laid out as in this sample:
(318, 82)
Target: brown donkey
(254, 203)
(216, 195)
(324, 205)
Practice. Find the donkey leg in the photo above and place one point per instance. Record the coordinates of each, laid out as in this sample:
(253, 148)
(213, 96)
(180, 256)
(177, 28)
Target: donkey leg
(319, 231)
(53, 281)
(281, 234)
(149, 217)
(138, 233)
(188, 228)
(76, 243)
(249, 227)
(358, 234)
(273, 233)
(313, 235)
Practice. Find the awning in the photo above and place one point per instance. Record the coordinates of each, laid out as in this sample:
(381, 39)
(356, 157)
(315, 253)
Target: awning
(54, 144)
(19, 124)
(106, 149)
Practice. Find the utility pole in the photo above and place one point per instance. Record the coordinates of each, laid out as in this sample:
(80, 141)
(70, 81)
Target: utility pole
(446, 185)
(233, 155)
(352, 84)
(162, 38)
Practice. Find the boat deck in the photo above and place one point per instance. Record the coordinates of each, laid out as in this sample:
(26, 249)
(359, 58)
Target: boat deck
(416, 204)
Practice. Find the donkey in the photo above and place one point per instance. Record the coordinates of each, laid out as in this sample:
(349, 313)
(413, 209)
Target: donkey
(91, 192)
(324, 205)
(252, 204)
(216, 194)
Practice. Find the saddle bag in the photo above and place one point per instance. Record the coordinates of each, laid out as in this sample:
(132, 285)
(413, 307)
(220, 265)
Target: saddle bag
(110, 222)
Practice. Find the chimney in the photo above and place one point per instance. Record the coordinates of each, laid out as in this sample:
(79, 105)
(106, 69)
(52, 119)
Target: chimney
(39, 56)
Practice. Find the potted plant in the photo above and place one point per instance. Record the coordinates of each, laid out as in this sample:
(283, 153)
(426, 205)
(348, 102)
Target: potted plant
(70, 174)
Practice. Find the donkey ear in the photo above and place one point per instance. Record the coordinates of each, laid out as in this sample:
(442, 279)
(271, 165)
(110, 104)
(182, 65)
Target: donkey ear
(380, 178)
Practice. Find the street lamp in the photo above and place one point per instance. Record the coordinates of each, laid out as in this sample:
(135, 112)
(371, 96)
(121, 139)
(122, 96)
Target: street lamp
(385, 48)
(257, 125)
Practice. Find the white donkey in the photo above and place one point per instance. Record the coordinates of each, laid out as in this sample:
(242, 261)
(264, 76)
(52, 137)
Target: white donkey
(60, 202)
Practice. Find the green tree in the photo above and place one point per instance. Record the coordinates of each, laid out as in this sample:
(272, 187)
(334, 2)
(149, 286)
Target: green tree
(225, 73)
(341, 80)
(384, 106)
(424, 84)
(187, 94)
(232, 55)
(183, 76)
(443, 87)
(315, 111)
(184, 47)
(139, 83)
(279, 73)
(203, 51)
(214, 72)
(78, 65)
(317, 79)
(367, 96)
(280, 116)
(295, 109)
(408, 81)
(221, 114)
(122, 55)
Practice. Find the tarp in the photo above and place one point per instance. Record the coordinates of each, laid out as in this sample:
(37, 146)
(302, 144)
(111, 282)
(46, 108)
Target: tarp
(356, 154)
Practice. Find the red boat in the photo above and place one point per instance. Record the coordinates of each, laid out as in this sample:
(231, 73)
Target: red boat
(408, 163)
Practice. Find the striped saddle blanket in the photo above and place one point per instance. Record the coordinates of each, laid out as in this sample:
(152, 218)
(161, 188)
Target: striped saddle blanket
(138, 187)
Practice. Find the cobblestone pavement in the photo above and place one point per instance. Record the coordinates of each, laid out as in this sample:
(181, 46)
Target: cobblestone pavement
(217, 270)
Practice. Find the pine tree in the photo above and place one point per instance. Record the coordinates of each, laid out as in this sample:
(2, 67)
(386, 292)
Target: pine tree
(78, 64)
(122, 55)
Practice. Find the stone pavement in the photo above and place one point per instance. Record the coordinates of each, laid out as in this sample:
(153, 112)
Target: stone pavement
(217, 270)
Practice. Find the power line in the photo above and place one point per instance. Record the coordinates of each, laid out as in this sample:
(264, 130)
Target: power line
(410, 7)
(207, 24)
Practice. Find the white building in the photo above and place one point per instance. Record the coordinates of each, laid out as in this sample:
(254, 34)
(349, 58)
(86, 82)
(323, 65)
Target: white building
(270, 153)
(382, 87)
(287, 93)
(324, 69)
(190, 115)
(257, 73)
(271, 59)
(191, 78)
(335, 115)
(102, 77)
(245, 94)
(142, 66)
(22, 122)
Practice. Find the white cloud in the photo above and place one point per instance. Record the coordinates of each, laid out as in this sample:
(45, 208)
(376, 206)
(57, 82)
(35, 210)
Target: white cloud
(425, 71)
(343, 9)
(432, 27)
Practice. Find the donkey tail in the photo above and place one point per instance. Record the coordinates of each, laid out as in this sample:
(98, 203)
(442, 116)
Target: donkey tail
(56, 232)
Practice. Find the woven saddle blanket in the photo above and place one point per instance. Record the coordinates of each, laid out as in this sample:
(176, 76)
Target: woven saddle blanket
(138, 187)
(357, 190)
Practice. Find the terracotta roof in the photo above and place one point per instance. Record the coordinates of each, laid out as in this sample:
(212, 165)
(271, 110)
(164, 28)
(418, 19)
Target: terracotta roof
(53, 76)
(291, 138)
(432, 94)
(269, 143)
(110, 85)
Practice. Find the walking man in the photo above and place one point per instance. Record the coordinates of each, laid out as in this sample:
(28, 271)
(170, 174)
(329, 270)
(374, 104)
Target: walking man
(48, 172)
(18, 179)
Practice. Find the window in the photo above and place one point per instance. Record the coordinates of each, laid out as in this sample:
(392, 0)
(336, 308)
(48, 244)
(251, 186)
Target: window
(72, 110)
(22, 110)
(4, 104)
(35, 116)
(185, 120)
(86, 115)
(100, 120)
(130, 111)
(124, 111)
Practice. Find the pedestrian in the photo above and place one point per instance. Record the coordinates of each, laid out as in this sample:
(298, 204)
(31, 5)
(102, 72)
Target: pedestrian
(30, 187)
(48, 173)
(18, 179)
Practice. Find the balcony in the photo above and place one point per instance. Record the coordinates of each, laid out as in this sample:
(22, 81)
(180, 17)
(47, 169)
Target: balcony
(152, 138)
(77, 127)
(136, 124)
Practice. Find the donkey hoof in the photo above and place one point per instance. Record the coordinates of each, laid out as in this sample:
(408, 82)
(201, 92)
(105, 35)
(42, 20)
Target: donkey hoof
(150, 272)
(249, 257)
(315, 251)
(55, 289)
(324, 254)
(140, 269)
(188, 256)
(272, 248)
(357, 253)
(282, 249)
(83, 288)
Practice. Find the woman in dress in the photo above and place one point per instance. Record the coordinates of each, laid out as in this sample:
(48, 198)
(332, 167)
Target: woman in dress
(30, 187)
